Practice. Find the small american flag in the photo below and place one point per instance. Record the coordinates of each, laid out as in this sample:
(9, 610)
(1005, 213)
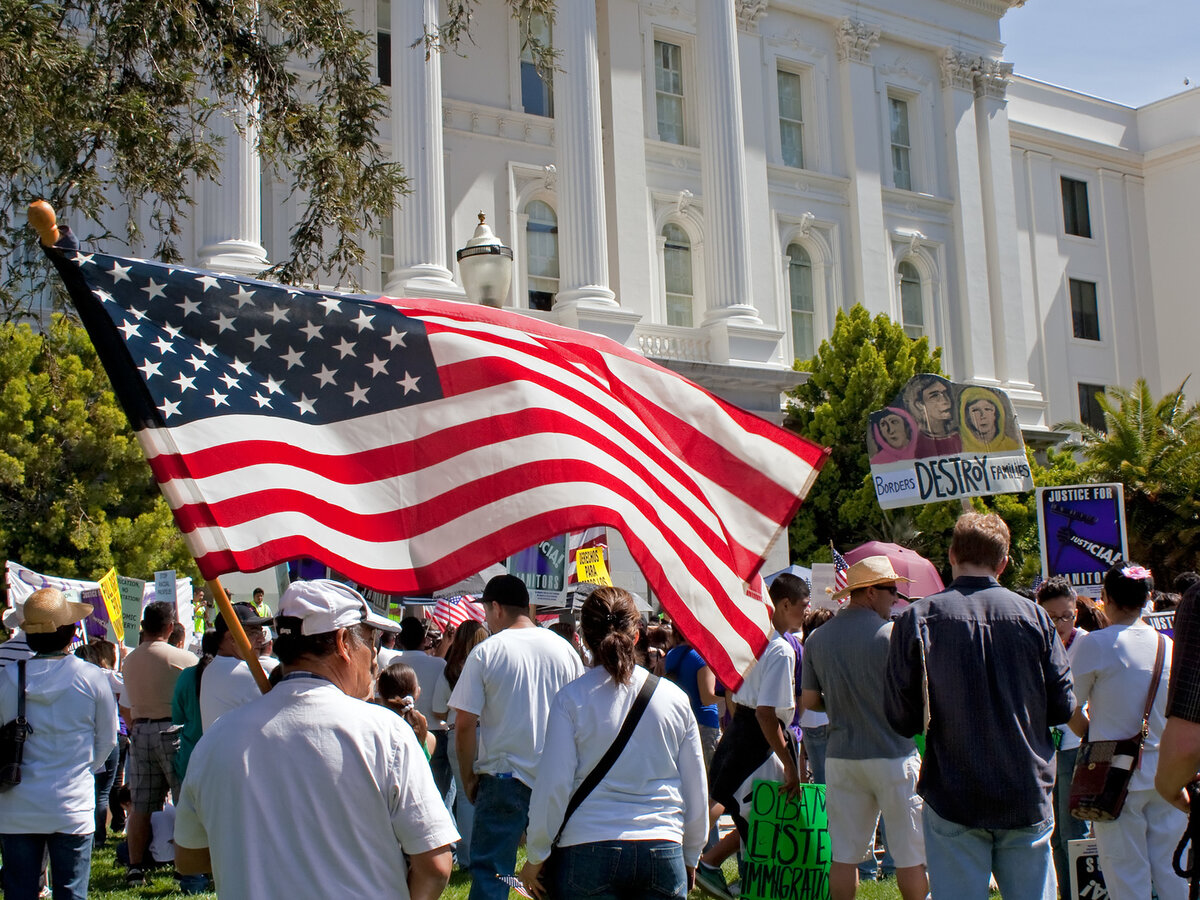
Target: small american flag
(839, 569)
(450, 612)
(408, 443)
(1038, 580)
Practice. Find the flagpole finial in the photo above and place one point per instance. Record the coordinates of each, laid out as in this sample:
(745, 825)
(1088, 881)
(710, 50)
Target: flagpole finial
(44, 222)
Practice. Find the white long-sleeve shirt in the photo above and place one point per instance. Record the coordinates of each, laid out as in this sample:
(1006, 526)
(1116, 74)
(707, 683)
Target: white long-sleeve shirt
(656, 790)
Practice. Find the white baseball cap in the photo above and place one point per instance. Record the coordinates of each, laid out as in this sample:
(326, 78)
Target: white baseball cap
(324, 605)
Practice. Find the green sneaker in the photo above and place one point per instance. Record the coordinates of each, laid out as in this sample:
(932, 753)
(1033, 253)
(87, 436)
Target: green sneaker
(711, 880)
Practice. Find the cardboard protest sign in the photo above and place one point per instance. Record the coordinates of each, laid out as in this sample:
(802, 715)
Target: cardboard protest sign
(1082, 530)
(132, 592)
(1162, 622)
(543, 568)
(589, 566)
(1087, 881)
(164, 586)
(787, 852)
(112, 602)
(941, 440)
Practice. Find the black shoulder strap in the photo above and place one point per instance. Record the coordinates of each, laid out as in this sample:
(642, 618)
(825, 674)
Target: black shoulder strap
(21, 691)
(597, 774)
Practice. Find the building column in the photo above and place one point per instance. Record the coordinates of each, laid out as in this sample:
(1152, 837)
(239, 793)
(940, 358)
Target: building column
(972, 350)
(582, 240)
(723, 167)
(1000, 222)
(870, 268)
(231, 208)
(420, 216)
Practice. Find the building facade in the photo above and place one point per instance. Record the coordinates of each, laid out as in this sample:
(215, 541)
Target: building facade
(710, 181)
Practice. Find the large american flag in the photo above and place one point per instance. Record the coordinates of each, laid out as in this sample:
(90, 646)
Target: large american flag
(410, 443)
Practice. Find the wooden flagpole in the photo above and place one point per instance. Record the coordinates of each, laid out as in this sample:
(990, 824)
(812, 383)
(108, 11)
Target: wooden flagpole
(44, 221)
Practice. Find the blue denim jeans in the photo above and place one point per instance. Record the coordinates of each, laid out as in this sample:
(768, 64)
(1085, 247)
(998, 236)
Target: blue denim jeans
(70, 864)
(959, 860)
(105, 779)
(464, 810)
(501, 814)
(1066, 826)
(816, 740)
(618, 870)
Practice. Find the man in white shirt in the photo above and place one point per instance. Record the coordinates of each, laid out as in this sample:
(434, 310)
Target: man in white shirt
(334, 791)
(506, 687)
(227, 683)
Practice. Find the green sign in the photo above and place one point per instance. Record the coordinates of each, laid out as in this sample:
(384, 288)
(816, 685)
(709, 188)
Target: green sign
(131, 590)
(787, 845)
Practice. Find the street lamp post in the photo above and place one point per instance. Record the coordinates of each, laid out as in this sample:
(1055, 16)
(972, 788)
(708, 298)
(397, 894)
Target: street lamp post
(486, 266)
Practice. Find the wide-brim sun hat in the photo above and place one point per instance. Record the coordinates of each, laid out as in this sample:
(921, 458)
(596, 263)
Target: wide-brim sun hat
(866, 573)
(48, 609)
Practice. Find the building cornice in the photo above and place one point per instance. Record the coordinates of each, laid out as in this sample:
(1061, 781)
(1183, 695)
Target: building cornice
(995, 8)
(1033, 137)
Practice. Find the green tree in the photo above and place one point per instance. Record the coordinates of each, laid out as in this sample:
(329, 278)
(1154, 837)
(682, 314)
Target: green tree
(861, 368)
(107, 106)
(76, 495)
(1152, 447)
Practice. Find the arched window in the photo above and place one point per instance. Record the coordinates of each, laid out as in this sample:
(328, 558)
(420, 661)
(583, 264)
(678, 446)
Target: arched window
(912, 301)
(677, 263)
(800, 285)
(541, 242)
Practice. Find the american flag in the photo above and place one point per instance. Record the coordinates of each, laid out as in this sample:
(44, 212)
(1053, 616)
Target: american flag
(450, 612)
(839, 569)
(410, 443)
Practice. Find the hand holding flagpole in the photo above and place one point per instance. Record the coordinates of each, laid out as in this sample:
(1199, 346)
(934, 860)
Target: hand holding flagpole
(44, 222)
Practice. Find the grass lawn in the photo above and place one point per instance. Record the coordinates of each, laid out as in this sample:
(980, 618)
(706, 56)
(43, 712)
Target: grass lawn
(108, 882)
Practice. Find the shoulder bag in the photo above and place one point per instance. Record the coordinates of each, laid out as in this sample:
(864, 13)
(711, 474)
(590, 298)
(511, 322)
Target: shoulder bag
(1104, 769)
(12, 738)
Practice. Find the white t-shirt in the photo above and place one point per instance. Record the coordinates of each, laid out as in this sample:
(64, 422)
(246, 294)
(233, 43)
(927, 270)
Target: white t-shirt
(333, 790)
(428, 669)
(441, 699)
(655, 791)
(772, 681)
(1112, 671)
(1070, 740)
(228, 684)
(385, 657)
(509, 681)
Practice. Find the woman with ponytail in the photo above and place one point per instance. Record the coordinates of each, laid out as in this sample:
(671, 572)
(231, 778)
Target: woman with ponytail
(639, 832)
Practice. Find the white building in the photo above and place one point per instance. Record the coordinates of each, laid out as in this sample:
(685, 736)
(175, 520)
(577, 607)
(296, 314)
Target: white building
(711, 180)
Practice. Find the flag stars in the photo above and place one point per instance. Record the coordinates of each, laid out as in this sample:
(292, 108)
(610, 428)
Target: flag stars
(163, 345)
(258, 339)
(188, 305)
(243, 296)
(218, 399)
(185, 382)
(153, 290)
(169, 408)
(362, 320)
(136, 313)
(313, 330)
(272, 386)
(130, 330)
(305, 405)
(230, 381)
(148, 368)
(197, 363)
(326, 375)
(358, 394)
(396, 338)
(224, 323)
(210, 283)
(292, 358)
(277, 313)
(206, 348)
(345, 348)
(240, 367)
(331, 305)
(263, 402)
(409, 383)
(120, 272)
(377, 366)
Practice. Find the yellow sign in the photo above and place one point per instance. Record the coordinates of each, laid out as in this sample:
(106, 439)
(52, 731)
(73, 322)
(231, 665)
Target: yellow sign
(589, 566)
(112, 602)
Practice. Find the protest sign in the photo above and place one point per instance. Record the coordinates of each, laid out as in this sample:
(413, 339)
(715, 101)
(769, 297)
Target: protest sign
(22, 582)
(111, 594)
(164, 586)
(787, 852)
(1162, 622)
(132, 591)
(1087, 881)
(941, 440)
(543, 568)
(589, 566)
(1082, 530)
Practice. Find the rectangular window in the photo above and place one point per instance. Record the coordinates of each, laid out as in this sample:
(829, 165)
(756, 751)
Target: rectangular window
(901, 144)
(1076, 218)
(1085, 316)
(537, 88)
(1090, 413)
(668, 92)
(791, 119)
(383, 42)
(387, 248)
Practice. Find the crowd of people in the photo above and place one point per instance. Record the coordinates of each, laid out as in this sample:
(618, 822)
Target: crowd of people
(945, 730)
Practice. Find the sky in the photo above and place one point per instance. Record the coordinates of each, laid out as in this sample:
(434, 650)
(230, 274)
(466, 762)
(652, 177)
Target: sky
(1131, 51)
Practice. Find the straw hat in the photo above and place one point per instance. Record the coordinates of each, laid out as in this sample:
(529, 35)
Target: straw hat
(867, 572)
(48, 609)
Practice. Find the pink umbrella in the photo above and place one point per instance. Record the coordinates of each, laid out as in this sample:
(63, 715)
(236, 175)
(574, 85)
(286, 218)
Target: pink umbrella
(909, 563)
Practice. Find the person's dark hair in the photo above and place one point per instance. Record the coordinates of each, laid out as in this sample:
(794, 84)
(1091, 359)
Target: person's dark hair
(104, 653)
(470, 633)
(258, 592)
(609, 622)
(507, 590)
(787, 586)
(814, 619)
(1165, 601)
(159, 618)
(290, 646)
(210, 644)
(1053, 588)
(1088, 615)
(980, 540)
(86, 653)
(1025, 592)
(178, 634)
(1183, 581)
(51, 641)
(412, 633)
(566, 631)
(397, 680)
(1124, 591)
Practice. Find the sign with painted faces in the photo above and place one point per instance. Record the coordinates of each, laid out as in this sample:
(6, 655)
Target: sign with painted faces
(941, 440)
